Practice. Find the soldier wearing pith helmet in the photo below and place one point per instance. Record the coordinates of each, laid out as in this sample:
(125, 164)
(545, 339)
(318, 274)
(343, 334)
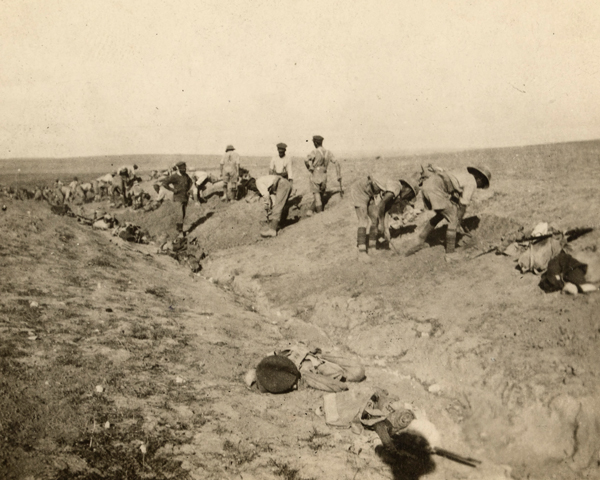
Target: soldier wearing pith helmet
(230, 173)
(373, 196)
(449, 194)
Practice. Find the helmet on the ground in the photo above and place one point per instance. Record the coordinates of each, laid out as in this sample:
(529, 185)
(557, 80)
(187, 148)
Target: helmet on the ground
(277, 374)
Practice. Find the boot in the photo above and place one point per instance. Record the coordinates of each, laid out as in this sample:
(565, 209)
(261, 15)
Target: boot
(450, 240)
(271, 230)
(318, 208)
(361, 239)
(372, 237)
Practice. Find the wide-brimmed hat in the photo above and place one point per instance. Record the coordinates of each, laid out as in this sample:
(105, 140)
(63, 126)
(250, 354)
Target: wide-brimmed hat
(482, 171)
(181, 165)
(229, 147)
(412, 183)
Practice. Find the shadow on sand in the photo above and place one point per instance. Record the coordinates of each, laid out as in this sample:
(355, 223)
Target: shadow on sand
(438, 236)
(292, 204)
(412, 460)
(199, 222)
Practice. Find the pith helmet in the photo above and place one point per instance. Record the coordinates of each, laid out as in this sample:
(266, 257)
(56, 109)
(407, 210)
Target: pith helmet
(413, 184)
(481, 170)
(229, 147)
(277, 374)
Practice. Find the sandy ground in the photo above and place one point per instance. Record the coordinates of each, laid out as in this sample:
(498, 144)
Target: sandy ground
(507, 373)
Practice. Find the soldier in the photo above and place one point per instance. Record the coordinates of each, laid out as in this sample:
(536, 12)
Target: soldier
(38, 193)
(280, 188)
(103, 185)
(137, 194)
(230, 172)
(179, 183)
(448, 195)
(126, 173)
(201, 180)
(73, 185)
(281, 164)
(317, 162)
(365, 194)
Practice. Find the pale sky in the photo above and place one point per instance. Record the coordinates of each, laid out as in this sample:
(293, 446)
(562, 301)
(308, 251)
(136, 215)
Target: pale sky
(94, 77)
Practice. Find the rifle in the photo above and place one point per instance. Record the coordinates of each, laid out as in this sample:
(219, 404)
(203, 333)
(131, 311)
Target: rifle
(471, 462)
(383, 430)
(497, 248)
(569, 235)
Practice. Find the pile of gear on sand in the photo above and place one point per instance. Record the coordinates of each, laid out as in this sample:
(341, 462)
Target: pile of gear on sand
(188, 253)
(349, 403)
(547, 251)
(106, 221)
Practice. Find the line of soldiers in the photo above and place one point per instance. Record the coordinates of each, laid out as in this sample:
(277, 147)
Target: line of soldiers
(448, 194)
(276, 187)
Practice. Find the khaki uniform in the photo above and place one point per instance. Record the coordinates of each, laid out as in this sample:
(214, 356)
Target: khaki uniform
(317, 163)
(280, 188)
(230, 164)
(448, 195)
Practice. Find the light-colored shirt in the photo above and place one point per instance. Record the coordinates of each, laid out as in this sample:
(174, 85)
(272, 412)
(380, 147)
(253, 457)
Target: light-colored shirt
(319, 160)
(199, 177)
(467, 184)
(108, 178)
(281, 165)
(230, 161)
(263, 184)
(320, 157)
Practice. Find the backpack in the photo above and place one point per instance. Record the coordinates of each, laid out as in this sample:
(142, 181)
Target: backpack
(538, 255)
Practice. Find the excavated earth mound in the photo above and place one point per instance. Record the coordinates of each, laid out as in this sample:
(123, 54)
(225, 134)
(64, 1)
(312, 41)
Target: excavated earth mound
(507, 373)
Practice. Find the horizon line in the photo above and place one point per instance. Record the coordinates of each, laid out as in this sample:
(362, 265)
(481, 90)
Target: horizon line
(342, 153)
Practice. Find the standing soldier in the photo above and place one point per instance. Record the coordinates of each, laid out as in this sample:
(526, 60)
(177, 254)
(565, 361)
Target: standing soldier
(73, 185)
(317, 162)
(126, 173)
(230, 172)
(448, 195)
(280, 188)
(281, 164)
(365, 193)
(179, 183)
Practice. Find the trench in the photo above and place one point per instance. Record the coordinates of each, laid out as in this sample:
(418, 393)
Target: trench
(510, 383)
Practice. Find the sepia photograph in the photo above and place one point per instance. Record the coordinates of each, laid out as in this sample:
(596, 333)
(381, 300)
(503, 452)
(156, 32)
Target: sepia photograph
(299, 240)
